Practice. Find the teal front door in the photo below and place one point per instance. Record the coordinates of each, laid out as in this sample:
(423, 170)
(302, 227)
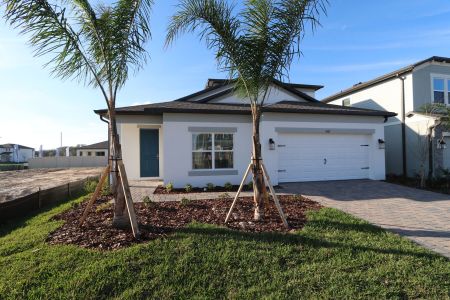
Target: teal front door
(149, 141)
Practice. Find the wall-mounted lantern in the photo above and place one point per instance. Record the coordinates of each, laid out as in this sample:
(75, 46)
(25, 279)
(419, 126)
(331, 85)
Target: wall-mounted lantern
(441, 144)
(381, 144)
(271, 144)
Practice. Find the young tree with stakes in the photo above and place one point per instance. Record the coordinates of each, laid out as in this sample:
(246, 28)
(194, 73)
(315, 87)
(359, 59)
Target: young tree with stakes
(255, 46)
(98, 46)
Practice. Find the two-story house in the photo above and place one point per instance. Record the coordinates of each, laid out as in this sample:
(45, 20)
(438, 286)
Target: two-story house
(406, 92)
(15, 153)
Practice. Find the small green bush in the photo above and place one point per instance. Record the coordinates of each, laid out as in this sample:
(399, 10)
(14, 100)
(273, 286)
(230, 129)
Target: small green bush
(103, 206)
(148, 202)
(188, 188)
(90, 185)
(228, 186)
(185, 201)
(106, 189)
(250, 185)
(210, 186)
(224, 196)
(169, 187)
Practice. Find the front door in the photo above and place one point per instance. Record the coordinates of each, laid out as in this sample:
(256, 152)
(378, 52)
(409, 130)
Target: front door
(149, 141)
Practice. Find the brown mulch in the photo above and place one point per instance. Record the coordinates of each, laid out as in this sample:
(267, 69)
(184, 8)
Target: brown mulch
(161, 218)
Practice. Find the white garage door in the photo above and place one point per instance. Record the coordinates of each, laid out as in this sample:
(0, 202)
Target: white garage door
(315, 157)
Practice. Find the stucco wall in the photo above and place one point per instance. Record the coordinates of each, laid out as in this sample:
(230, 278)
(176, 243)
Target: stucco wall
(129, 128)
(274, 95)
(178, 142)
(384, 96)
(178, 147)
(422, 82)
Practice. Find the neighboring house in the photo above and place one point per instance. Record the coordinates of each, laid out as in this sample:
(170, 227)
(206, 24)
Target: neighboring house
(206, 137)
(98, 149)
(405, 92)
(15, 153)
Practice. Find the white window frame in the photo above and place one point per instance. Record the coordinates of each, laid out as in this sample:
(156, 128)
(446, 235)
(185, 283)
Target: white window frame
(446, 79)
(213, 151)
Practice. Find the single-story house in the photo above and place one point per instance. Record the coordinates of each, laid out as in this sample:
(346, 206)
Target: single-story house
(206, 137)
(97, 149)
(15, 153)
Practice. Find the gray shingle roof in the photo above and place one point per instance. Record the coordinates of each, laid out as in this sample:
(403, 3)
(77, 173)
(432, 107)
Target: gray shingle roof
(101, 145)
(242, 109)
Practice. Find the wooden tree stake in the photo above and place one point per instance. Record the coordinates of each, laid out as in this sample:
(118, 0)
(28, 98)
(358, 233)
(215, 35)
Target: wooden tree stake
(274, 195)
(238, 192)
(95, 195)
(128, 199)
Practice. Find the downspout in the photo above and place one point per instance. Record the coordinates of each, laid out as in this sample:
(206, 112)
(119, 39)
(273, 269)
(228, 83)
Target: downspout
(109, 142)
(430, 151)
(404, 170)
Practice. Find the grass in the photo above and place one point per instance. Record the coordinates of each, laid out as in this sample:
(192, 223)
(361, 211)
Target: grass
(335, 256)
(11, 166)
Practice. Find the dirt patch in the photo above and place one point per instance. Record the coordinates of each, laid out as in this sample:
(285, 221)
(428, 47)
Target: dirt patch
(158, 219)
(15, 184)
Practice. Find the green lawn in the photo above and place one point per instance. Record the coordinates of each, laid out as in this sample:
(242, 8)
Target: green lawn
(11, 166)
(335, 256)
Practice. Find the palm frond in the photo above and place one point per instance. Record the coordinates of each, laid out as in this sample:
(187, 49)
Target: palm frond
(131, 30)
(51, 34)
(217, 27)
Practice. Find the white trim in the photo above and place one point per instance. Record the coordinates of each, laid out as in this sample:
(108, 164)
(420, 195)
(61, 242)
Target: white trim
(446, 79)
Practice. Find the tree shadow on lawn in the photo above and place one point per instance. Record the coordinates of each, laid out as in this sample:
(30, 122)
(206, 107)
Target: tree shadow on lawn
(221, 234)
(8, 226)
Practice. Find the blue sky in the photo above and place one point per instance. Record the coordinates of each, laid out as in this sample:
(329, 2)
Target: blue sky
(358, 40)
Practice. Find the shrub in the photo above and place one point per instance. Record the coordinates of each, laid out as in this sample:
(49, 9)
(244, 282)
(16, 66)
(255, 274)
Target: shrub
(169, 187)
(250, 185)
(103, 206)
(228, 186)
(105, 189)
(210, 186)
(185, 201)
(188, 188)
(224, 196)
(90, 185)
(147, 201)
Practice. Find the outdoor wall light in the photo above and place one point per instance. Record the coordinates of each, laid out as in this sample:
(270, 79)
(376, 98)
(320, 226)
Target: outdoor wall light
(271, 144)
(441, 144)
(381, 144)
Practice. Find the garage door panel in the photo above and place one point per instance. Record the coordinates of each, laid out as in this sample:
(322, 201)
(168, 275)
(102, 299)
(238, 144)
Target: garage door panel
(311, 157)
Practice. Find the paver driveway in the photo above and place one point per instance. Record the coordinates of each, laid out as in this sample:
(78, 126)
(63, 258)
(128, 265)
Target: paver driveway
(422, 216)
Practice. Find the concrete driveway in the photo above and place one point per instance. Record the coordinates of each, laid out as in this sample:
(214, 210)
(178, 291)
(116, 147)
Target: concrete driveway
(421, 216)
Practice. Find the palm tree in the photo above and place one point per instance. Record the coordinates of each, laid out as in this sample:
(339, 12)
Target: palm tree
(255, 46)
(98, 46)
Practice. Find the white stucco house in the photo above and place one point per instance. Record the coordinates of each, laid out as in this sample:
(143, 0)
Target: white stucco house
(97, 149)
(15, 153)
(405, 92)
(205, 137)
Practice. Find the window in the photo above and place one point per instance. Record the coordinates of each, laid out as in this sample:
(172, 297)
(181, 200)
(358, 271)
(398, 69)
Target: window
(346, 102)
(81, 153)
(100, 153)
(212, 151)
(438, 90)
(89, 153)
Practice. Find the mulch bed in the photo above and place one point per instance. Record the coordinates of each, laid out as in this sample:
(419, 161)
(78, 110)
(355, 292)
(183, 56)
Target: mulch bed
(162, 218)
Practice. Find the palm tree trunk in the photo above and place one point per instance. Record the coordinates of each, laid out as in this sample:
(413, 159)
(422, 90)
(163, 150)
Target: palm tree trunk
(258, 181)
(120, 219)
